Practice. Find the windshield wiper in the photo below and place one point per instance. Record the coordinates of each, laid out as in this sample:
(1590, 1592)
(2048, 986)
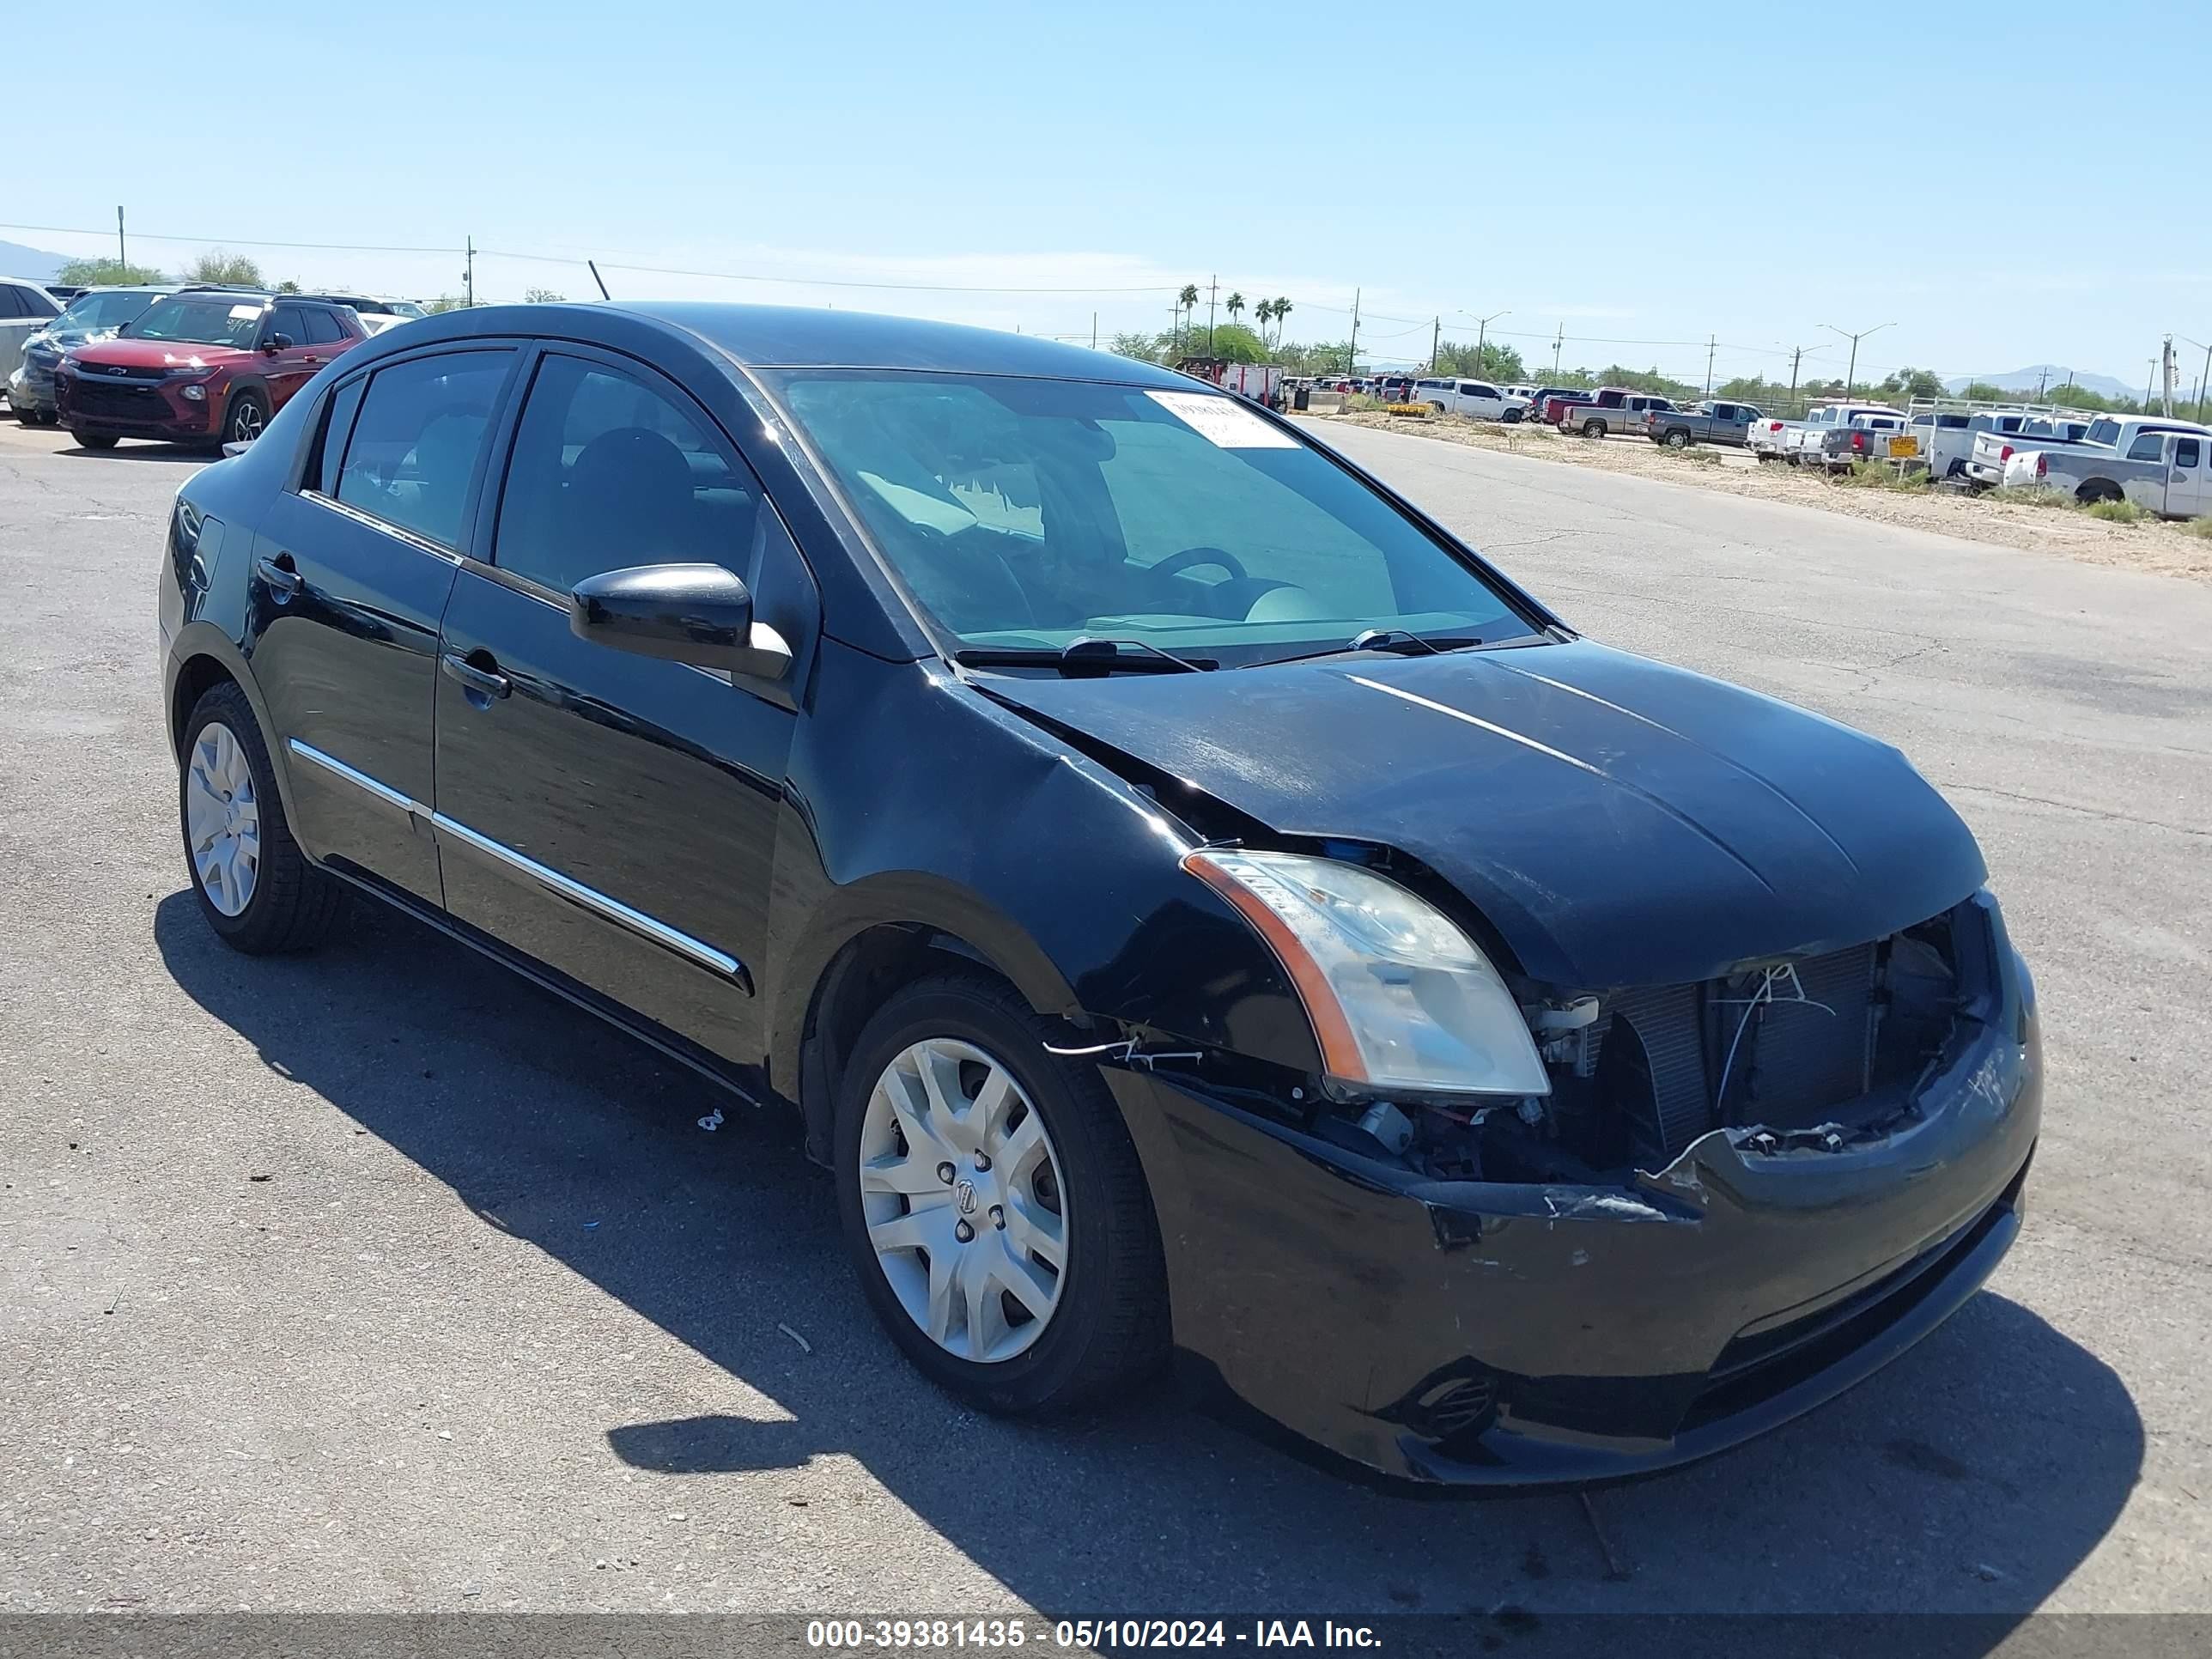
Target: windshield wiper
(1402, 641)
(1080, 658)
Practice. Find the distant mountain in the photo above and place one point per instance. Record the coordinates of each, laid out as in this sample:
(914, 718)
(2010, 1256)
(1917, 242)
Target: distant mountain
(38, 264)
(2046, 374)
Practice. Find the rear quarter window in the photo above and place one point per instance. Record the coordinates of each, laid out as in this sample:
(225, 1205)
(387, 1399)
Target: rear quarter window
(416, 443)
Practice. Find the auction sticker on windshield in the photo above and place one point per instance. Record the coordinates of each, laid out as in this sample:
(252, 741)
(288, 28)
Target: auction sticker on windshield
(1221, 423)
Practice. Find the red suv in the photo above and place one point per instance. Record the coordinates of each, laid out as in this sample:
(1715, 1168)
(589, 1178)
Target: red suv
(201, 366)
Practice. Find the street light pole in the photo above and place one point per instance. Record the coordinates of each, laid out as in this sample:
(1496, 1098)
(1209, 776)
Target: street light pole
(1850, 374)
(1481, 333)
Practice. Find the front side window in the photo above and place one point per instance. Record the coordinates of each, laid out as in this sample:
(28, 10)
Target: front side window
(415, 441)
(199, 319)
(609, 472)
(290, 321)
(1031, 513)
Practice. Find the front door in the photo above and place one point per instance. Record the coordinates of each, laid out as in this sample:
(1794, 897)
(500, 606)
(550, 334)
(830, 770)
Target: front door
(614, 816)
(351, 571)
(2187, 495)
(289, 358)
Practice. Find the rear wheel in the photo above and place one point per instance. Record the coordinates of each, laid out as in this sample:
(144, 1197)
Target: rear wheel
(93, 439)
(1593, 429)
(255, 886)
(992, 1204)
(2096, 491)
(1678, 439)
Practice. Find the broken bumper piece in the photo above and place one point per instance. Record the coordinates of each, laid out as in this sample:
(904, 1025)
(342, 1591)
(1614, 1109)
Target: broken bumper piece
(1483, 1335)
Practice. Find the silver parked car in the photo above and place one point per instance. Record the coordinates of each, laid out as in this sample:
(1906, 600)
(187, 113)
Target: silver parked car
(25, 308)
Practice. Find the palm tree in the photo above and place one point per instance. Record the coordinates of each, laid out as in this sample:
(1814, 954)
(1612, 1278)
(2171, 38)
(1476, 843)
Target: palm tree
(1234, 305)
(1282, 310)
(1189, 300)
(1262, 315)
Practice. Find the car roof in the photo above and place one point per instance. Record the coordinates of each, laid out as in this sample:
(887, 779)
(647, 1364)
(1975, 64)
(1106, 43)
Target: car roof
(782, 336)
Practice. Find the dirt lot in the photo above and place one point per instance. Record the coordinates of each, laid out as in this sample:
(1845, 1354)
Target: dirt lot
(2168, 549)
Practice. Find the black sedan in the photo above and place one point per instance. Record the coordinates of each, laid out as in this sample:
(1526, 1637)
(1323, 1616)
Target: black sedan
(1198, 908)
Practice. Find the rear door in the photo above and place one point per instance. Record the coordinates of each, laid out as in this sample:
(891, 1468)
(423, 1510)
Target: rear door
(610, 815)
(352, 568)
(24, 311)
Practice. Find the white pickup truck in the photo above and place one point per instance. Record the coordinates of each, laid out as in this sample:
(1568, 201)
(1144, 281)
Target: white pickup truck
(1947, 435)
(1994, 451)
(1478, 399)
(2162, 466)
(1802, 441)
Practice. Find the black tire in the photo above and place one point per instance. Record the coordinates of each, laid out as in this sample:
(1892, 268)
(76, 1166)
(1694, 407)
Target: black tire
(93, 439)
(1593, 429)
(2098, 490)
(1511, 418)
(245, 418)
(1109, 1328)
(27, 417)
(293, 903)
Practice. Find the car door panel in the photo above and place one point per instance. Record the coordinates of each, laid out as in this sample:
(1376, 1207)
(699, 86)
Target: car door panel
(345, 602)
(614, 816)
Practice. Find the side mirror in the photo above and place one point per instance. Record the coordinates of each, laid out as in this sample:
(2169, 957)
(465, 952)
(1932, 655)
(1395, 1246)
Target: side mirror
(700, 614)
(276, 343)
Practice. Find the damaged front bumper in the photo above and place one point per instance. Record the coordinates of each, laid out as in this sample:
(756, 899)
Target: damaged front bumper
(1475, 1333)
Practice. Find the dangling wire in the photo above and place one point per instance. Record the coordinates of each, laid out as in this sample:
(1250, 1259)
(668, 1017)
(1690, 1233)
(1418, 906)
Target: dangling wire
(1764, 994)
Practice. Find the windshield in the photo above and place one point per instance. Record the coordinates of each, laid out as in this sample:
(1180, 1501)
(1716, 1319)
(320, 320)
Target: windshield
(200, 320)
(1032, 514)
(111, 309)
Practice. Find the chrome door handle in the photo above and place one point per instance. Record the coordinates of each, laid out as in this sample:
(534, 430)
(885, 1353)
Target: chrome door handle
(283, 581)
(483, 682)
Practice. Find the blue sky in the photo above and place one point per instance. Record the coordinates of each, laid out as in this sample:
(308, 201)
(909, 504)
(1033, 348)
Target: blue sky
(2009, 186)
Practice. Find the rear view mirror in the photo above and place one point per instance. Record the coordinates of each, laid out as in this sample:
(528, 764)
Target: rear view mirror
(699, 614)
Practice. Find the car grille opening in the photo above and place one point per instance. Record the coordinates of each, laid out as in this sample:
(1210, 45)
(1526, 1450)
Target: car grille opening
(118, 402)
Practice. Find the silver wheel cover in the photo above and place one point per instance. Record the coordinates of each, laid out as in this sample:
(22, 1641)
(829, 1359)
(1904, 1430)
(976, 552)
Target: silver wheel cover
(222, 819)
(961, 1189)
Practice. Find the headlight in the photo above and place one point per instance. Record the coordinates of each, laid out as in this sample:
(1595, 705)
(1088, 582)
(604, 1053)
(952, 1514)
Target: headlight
(1398, 996)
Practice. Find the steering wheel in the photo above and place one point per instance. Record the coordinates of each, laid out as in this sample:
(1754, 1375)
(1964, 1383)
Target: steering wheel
(1175, 563)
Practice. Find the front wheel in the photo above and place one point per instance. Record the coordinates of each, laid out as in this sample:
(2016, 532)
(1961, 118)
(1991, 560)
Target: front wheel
(247, 419)
(1511, 418)
(255, 886)
(992, 1204)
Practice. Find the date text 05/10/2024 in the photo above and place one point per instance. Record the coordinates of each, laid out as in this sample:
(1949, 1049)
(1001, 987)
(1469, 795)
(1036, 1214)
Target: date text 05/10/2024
(1099, 1634)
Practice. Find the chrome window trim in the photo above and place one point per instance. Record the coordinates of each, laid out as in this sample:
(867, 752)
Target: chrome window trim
(369, 520)
(614, 909)
(384, 793)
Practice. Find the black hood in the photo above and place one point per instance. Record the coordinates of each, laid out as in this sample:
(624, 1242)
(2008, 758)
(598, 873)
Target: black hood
(1618, 821)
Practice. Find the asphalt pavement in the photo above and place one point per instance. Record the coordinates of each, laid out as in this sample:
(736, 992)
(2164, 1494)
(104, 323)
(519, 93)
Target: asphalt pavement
(378, 1279)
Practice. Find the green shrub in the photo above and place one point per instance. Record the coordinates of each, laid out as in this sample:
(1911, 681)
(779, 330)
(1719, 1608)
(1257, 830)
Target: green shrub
(2119, 512)
(2031, 495)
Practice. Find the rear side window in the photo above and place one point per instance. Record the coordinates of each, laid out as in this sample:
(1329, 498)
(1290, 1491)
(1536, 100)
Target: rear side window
(2147, 448)
(415, 444)
(290, 321)
(12, 304)
(322, 328)
(609, 472)
(330, 447)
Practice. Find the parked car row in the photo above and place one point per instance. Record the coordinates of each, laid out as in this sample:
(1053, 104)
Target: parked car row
(197, 363)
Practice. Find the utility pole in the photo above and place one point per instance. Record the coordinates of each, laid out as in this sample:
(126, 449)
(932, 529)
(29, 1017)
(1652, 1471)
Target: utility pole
(2150, 380)
(1850, 374)
(1094, 331)
(1796, 356)
(122, 253)
(1711, 341)
(1212, 288)
(2204, 380)
(1557, 341)
(2042, 375)
(2166, 393)
(1351, 357)
(1436, 339)
(469, 276)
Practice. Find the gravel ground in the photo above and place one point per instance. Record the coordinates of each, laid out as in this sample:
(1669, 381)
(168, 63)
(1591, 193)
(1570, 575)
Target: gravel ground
(2162, 549)
(376, 1279)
